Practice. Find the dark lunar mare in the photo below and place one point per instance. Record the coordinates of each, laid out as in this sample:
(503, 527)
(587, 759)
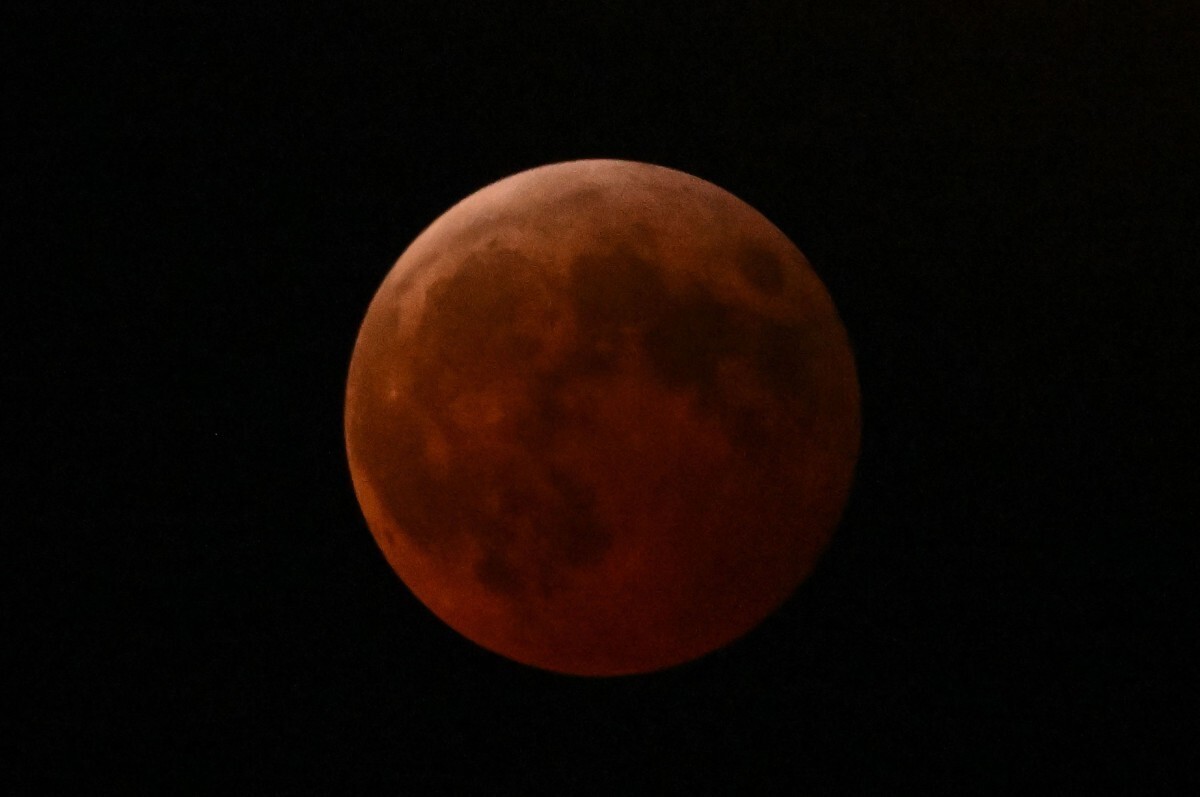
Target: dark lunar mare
(472, 335)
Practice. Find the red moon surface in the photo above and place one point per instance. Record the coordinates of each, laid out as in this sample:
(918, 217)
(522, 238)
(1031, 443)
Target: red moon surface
(602, 417)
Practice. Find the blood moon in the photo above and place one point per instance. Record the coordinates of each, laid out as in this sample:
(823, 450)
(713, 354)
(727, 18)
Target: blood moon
(602, 417)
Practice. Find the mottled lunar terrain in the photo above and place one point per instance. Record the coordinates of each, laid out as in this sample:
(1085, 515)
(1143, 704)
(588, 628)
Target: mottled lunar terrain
(602, 417)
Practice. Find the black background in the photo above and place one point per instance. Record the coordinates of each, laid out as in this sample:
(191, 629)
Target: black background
(999, 196)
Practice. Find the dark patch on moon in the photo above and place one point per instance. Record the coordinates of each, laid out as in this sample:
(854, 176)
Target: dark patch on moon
(474, 337)
(613, 290)
(687, 339)
(581, 202)
(761, 268)
(782, 357)
(536, 530)
(482, 331)
(468, 330)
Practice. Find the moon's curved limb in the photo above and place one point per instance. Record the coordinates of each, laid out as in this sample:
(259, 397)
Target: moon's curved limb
(602, 417)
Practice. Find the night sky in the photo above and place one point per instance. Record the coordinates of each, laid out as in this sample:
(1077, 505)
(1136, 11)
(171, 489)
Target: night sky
(1000, 197)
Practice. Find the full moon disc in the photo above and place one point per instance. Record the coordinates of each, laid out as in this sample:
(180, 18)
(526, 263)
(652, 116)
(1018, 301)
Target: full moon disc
(602, 417)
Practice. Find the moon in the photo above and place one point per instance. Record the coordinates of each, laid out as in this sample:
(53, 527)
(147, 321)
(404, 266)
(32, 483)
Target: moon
(602, 417)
